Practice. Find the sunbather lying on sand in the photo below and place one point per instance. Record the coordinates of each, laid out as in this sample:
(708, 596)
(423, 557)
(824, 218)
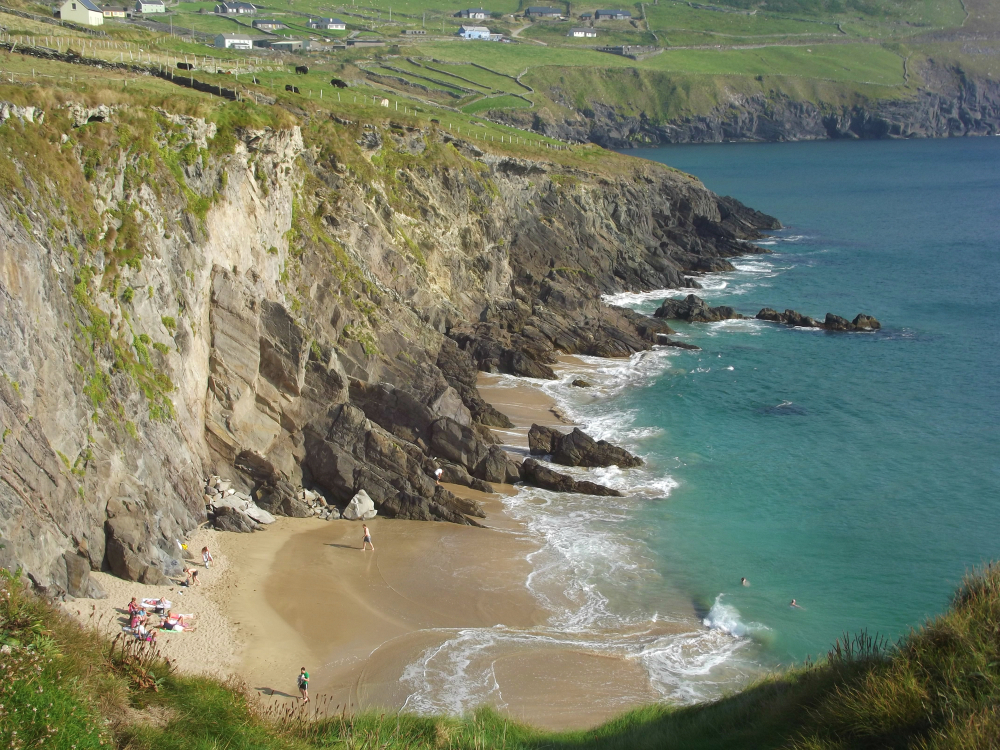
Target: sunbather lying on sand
(177, 623)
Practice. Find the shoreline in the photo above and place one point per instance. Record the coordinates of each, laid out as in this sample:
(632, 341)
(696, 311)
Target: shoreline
(393, 629)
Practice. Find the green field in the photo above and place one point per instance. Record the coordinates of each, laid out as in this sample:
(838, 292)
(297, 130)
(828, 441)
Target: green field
(498, 102)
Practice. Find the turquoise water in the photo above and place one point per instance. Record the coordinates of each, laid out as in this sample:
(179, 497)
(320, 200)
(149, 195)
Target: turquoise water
(859, 474)
(856, 473)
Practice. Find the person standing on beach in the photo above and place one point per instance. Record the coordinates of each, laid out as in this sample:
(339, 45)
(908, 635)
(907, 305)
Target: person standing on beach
(437, 475)
(368, 539)
(304, 685)
(206, 556)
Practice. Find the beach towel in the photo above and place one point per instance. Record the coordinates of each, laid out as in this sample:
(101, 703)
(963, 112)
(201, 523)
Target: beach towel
(153, 603)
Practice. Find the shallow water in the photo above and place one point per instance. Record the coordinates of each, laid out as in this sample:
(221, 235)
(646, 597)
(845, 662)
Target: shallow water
(856, 473)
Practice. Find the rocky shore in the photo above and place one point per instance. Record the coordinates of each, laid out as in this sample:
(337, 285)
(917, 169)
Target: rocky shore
(320, 330)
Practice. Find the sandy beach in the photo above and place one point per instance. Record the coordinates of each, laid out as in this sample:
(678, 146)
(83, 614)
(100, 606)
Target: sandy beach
(369, 626)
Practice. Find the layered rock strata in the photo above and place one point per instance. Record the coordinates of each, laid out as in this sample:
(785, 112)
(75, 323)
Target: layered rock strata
(286, 312)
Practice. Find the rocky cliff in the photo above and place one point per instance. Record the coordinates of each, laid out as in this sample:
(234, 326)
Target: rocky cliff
(289, 303)
(949, 103)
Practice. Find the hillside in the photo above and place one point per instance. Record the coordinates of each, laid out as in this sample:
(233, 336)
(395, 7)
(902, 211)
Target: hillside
(937, 688)
(671, 72)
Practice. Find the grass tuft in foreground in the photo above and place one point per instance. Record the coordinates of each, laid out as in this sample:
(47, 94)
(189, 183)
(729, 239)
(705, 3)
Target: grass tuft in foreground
(66, 687)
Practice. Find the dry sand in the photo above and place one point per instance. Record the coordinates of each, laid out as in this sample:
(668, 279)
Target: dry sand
(302, 593)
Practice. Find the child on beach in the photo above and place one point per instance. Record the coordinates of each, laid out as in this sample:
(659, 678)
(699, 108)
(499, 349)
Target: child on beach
(304, 685)
(437, 475)
(206, 556)
(368, 539)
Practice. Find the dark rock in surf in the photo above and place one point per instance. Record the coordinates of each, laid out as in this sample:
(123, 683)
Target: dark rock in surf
(581, 383)
(788, 318)
(690, 283)
(578, 449)
(667, 341)
(831, 323)
(537, 475)
(694, 309)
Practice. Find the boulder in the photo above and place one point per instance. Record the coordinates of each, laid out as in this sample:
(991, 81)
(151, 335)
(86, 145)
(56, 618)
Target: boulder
(78, 580)
(865, 323)
(836, 323)
(496, 466)
(360, 507)
(578, 449)
(123, 537)
(280, 499)
(694, 309)
(581, 383)
(538, 475)
(227, 518)
(259, 515)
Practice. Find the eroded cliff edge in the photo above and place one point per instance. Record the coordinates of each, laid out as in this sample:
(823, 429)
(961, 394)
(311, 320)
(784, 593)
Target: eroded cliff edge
(293, 302)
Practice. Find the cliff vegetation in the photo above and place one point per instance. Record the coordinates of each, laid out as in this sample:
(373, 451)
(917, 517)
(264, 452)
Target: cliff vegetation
(939, 687)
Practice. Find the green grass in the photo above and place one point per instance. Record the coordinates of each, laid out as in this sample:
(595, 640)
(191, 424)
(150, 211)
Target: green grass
(855, 63)
(497, 102)
(937, 688)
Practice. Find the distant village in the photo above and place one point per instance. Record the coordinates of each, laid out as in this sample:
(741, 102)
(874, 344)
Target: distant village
(88, 13)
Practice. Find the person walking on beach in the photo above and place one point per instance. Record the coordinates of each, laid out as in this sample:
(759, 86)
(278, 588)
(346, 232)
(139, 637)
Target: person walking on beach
(368, 539)
(206, 556)
(437, 475)
(304, 685)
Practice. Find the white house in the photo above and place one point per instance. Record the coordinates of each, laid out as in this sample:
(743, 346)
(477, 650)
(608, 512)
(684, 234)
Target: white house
(330, 24)
(114, 11)
(474, 32)
(582, 32)
(150, 6)
(268, 24)
(233, 41)
(240, 9)
(81, 11)
(478, 14)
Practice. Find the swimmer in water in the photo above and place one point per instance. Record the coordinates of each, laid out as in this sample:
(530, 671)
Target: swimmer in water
(744, 582)
(794, 605)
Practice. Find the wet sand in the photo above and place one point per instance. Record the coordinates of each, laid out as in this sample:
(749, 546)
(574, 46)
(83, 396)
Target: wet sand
(302, 593)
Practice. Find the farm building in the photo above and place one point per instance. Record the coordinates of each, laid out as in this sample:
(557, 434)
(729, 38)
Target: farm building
(238, 9)
(586, 16)
(267, 24)
(543, 12)
(612, 15)
(477, 14)
(582, 32)
(474, 32)
(150, 6)
(233, 41)
(329, 24)
(81, 11)
(288, 45)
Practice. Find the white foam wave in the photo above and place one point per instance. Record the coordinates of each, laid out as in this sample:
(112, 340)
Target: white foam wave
(726, 618)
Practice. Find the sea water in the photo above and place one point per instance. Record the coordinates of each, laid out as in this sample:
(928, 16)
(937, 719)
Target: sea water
(858, 473)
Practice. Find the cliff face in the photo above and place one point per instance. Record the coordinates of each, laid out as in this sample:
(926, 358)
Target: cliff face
(948, 104)
(305, 306)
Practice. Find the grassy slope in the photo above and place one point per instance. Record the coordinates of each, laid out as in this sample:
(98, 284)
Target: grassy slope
(939, 688)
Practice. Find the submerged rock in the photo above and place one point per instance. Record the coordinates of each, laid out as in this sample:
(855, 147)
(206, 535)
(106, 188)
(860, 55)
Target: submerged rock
(537, 475)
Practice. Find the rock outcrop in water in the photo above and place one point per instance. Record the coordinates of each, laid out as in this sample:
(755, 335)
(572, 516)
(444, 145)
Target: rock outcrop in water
(539, 475)
(832, 322)
(578, 449)
(694, 309)
(289, 314)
